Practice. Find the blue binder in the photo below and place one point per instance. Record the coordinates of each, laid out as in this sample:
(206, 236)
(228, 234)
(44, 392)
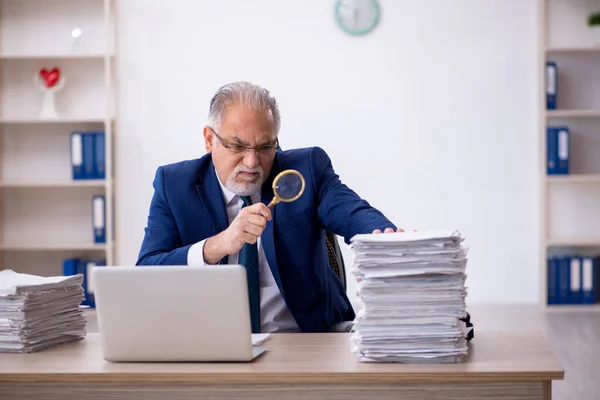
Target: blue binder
(552, 280)
(558, 139)
(88, 155)
(590, 280)
(83, 269)
(88, 265)
(551, 85)
(76, 147)
(576, 280)
(564, 279)
(99, 156)
(70, 267)
(99, 218)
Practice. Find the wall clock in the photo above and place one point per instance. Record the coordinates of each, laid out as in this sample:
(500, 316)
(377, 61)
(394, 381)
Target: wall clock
(357, 17)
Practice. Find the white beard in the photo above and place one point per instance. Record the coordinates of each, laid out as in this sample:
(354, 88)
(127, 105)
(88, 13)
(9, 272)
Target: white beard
(244, 188)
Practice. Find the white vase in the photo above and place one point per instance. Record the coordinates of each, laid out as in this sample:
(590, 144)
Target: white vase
(596, 34)
(48, 108)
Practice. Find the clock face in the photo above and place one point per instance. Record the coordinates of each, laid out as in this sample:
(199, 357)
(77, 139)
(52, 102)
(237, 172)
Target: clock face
(357, 17)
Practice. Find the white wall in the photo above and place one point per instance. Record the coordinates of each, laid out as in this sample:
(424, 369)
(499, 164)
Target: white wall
(432, 117)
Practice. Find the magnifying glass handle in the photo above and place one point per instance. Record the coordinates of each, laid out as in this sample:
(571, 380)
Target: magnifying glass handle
(272, 203)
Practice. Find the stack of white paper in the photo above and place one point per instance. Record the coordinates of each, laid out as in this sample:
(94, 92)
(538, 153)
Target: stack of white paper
(39, 312)
(412, 292)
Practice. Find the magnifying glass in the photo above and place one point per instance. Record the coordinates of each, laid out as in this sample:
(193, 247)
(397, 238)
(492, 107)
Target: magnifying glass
(288, 186)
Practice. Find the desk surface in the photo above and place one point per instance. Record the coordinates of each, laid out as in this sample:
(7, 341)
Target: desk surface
(295, 358)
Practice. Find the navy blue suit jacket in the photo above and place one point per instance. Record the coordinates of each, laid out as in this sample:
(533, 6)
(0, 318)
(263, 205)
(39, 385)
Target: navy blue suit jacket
(188, 207)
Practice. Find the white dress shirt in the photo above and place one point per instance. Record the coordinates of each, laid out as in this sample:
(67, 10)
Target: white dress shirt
(274, 314)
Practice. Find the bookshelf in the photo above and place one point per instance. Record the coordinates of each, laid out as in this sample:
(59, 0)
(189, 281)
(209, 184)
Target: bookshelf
(574, 178)
(573, 113)
(45, 215)
(570, 203)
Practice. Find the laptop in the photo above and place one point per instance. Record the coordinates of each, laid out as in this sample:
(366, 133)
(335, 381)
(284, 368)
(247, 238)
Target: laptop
(174, 313)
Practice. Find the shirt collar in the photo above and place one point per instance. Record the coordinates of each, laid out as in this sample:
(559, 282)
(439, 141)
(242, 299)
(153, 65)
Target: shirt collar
(228, 195)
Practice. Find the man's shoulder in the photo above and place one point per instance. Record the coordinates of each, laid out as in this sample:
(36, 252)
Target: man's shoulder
(185, 169)
(312, 155)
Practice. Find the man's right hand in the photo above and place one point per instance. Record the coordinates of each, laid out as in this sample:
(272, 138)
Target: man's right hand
(245, 228)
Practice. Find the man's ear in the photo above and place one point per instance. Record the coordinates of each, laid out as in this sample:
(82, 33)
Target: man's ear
(208, 139)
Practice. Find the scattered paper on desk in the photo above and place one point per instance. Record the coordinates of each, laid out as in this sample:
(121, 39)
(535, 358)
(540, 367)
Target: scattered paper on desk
(39, 312)
(259, 338)
(412, 291)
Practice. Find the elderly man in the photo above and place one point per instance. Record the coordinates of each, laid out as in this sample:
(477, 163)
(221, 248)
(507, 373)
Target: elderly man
(212, 210)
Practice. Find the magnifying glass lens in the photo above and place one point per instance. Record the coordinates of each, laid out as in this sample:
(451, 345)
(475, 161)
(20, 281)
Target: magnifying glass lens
(288, 186)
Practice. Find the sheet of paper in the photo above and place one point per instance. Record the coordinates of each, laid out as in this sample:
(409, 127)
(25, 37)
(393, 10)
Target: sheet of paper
(11, 282)
(259, 338)
(423, 236)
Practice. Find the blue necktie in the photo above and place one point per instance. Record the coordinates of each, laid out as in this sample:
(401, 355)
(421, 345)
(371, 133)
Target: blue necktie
(248, 257)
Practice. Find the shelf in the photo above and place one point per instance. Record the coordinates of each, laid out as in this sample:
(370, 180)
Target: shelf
(95, 183)
(574, 241)
(572, 113)
(45, 215)
(33, 27)
(569, 210)
(76, 120)
(82, 98)
(52, 246)
(581, 178)
(73, 56)
(573, 307)
(574, 50)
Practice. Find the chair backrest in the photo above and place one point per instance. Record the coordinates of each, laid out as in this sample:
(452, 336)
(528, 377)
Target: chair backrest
(336, 260)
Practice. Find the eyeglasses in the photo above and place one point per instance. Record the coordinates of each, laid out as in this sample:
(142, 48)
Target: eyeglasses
(236, 148)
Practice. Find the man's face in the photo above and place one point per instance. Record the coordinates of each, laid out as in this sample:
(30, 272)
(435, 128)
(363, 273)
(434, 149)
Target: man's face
(242, 170)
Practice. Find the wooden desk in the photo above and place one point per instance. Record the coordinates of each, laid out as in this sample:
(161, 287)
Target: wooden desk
(501, 365)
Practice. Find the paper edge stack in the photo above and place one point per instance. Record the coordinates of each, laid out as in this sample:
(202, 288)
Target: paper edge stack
(357, 336)
(38, 313)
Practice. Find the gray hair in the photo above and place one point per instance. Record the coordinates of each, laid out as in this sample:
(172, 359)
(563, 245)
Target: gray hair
(245, 93)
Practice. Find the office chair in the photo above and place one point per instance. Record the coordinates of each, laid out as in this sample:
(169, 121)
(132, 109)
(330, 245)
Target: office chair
(336, 260)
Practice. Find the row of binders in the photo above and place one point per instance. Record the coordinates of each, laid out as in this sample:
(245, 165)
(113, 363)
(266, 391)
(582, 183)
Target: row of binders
(558, 153)
(573, 279)
(83, 267)
(88, 155)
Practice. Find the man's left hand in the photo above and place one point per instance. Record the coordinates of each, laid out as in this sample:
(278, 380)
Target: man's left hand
(388, 230)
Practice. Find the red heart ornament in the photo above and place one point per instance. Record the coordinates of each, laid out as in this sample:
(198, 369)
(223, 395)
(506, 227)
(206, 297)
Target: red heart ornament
(50, 77)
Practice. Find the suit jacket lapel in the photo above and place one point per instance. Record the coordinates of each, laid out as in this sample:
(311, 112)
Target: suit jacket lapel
(211, 196)
(267, 237)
